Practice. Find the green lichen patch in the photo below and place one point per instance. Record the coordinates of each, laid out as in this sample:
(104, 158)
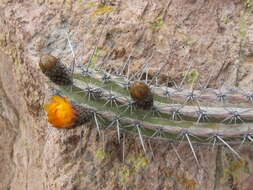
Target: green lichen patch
(101, 154)
(235, 168)
(124, 175)
(68, 3)
(226, 20)
(247, 4)
(103, 9)
(92, 4)
(191, 76)
(139, 163)
(157, 24)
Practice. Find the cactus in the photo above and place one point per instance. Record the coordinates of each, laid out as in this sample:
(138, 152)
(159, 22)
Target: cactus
(206, 116)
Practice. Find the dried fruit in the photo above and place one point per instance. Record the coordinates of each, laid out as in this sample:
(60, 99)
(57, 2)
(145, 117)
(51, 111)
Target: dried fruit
(47, 63)
(141, 94)
(54, 70)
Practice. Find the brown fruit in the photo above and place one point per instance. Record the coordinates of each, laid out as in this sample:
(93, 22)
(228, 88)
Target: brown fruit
(47, 62)
(54, 70)
(141, 94)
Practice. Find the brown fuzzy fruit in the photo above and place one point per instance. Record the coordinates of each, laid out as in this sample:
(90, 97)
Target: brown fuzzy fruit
(141, 94)
(54, 70)
(47, 63)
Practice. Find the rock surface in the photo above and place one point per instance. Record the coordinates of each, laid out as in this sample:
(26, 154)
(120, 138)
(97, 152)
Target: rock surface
(214, 36)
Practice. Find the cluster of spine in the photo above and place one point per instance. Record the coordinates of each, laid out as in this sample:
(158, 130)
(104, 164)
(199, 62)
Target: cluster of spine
(206, 116)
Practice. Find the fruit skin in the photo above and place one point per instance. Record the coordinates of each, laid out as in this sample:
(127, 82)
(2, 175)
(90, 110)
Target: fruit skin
(141, 94)
(83, 114)
(54, 70)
